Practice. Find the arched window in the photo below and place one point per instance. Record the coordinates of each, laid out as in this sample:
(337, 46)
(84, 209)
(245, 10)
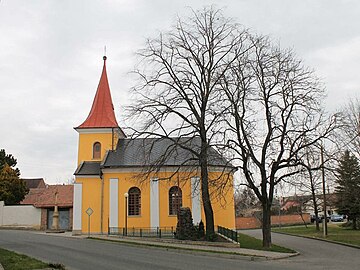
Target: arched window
(97, 150)
(134, 203)
(175, 200)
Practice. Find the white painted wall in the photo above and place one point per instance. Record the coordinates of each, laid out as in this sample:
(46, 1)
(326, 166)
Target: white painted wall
(77, 208)
(114, 203)
(195, 200)
(20, 216)
(154, 203)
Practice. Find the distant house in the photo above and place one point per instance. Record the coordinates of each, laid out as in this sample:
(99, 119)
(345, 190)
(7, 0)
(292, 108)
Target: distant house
(32, 183)
(44, 198)
(305, 203)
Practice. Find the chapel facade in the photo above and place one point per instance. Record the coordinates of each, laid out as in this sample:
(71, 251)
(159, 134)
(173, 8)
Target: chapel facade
(111, 183)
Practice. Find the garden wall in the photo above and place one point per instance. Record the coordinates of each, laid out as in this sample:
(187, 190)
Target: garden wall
(22, 216)
(254, 223)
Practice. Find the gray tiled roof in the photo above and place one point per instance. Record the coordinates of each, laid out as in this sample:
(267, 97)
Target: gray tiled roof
(152, 152)
(161, 152)
(88, 168)
(34, 182)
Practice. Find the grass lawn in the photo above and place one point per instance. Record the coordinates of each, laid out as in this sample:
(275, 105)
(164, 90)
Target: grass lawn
(14, 261)
(250, 242)
(335, 233)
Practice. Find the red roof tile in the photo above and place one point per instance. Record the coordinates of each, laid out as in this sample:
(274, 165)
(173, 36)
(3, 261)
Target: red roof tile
(290, 204)
(33, 196)
(45, 197)
(102, 111)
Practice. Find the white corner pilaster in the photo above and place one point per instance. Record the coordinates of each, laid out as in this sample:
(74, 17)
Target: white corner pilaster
(77, 208)
(114, 203)
(195, 199)
(154, 203)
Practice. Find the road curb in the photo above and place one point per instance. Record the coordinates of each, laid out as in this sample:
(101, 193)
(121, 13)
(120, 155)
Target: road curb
(245, 253)
(320, 239)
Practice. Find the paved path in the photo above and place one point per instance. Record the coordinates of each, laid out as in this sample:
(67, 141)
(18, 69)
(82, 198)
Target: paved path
(314, 253)
(87, 254)
(81, 253)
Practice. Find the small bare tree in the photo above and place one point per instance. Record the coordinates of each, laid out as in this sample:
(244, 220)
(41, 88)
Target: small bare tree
(315, 164)
(245, 202)
(349, 137)
(275, 113)
(312, 164)
(177, 97)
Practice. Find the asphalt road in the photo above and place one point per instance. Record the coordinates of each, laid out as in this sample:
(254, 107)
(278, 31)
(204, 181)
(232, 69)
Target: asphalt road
(89, 254)
(314, 254)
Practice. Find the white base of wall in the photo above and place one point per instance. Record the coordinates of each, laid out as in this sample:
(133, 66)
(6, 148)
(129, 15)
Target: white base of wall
(76, 232)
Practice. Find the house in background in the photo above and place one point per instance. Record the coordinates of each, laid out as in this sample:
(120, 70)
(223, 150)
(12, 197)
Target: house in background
(108, 183)
(44, 198)
(304, 203)
(32, 183)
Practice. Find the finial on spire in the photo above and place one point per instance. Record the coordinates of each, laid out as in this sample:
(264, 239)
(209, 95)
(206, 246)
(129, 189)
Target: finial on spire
(104, 53)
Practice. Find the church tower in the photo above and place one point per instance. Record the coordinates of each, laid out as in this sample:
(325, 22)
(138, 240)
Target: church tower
(100, 131)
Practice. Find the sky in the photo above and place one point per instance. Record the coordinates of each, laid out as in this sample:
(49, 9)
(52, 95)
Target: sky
(51, 61)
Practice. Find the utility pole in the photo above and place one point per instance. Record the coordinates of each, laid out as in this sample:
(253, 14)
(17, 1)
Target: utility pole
(126, 195)
(279, 204)
(325, 228)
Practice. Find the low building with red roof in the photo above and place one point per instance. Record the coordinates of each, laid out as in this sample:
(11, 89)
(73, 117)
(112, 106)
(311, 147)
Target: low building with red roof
(45, 198)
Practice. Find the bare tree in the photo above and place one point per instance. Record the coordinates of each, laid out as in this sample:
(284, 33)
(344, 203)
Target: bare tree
(179, 90)
(245, 202)
(315, 164)
(275, 113)
(312, 164)
(349, 137)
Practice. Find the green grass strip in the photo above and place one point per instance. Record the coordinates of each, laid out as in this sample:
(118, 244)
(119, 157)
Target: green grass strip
(335, 233)
(13, 261)
(250, 242)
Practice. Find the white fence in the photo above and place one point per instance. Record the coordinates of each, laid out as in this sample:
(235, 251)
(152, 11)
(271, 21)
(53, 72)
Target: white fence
(20, 216)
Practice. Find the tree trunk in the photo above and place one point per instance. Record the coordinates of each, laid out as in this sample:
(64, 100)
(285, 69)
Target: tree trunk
(208, 211)
(266, 225)
(316, 212)
(354, 223)
(317, 219)
(313, 196)
(302, 218)
(205, 195)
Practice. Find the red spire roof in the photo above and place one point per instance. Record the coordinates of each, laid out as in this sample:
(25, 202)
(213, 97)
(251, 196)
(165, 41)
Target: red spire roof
(102, 111)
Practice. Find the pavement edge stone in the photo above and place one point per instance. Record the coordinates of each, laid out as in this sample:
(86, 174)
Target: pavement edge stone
(248, 253)
(321, 239)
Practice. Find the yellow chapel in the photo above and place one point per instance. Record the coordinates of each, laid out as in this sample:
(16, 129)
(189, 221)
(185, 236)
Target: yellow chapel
(111, 190)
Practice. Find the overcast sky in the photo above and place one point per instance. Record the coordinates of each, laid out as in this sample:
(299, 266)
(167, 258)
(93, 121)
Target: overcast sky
(51, 60)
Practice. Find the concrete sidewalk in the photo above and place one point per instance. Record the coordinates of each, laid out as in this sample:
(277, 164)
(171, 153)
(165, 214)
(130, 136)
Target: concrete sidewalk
(220, 248)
